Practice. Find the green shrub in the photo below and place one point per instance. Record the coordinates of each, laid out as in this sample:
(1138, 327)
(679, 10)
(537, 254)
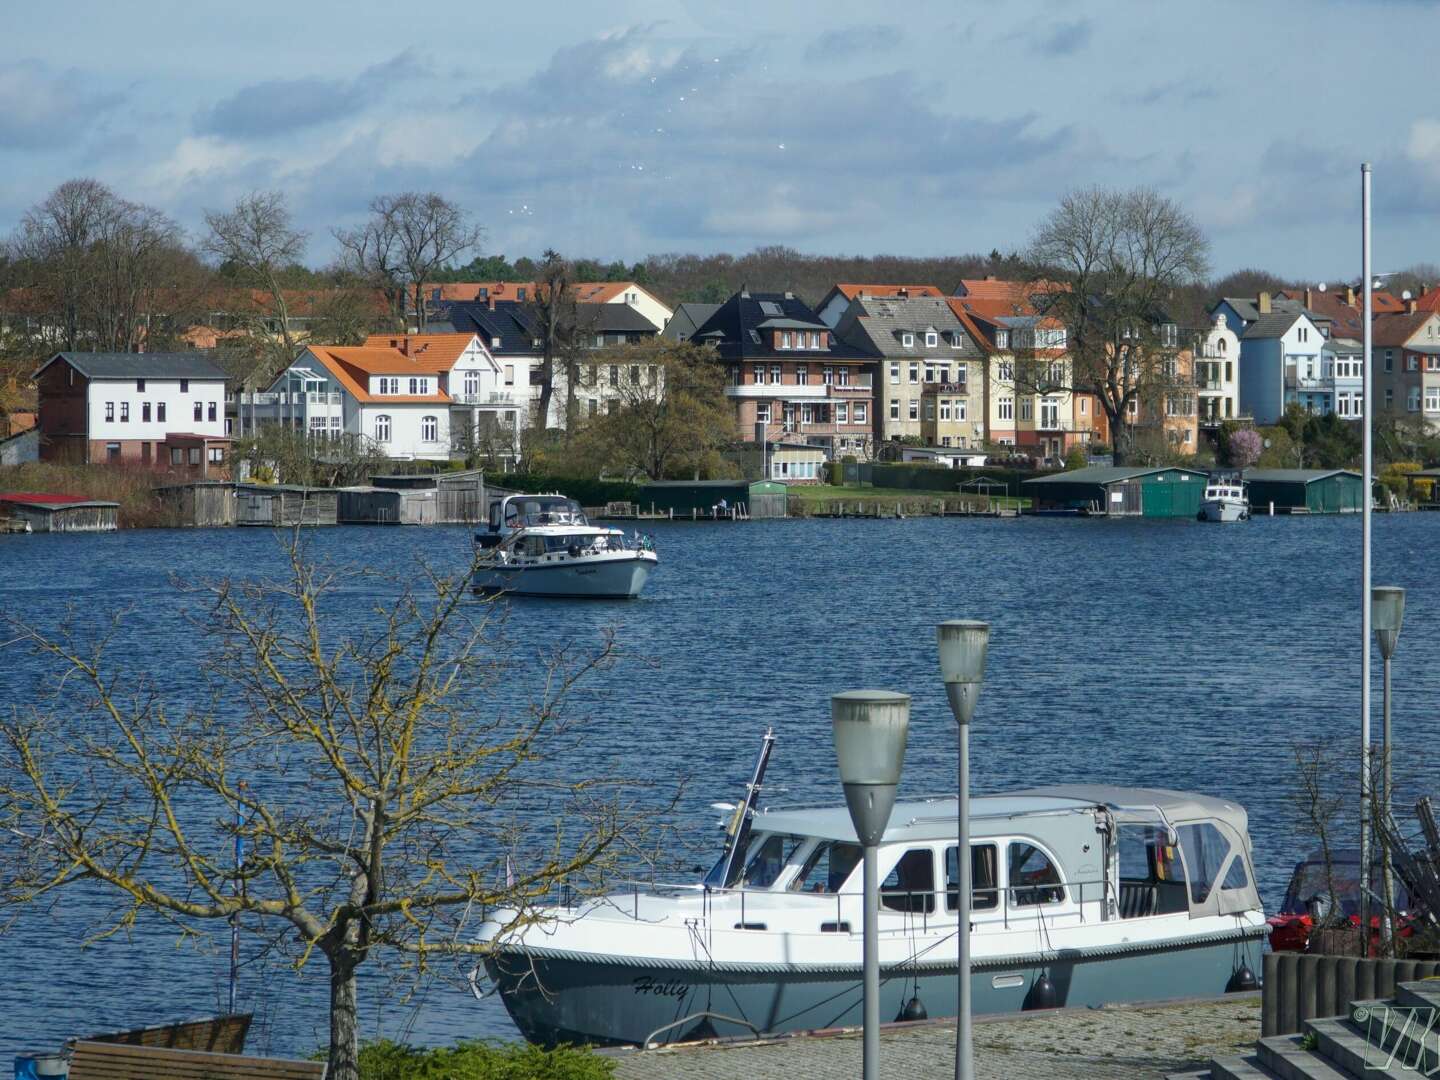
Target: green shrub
(480, 1060)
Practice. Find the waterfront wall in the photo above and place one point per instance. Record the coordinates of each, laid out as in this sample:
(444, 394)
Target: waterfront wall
(1301, 986)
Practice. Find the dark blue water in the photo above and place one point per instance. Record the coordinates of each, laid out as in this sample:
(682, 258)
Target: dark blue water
(1162, 653)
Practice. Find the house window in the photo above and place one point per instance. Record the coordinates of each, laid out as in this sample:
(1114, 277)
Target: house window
(614, 375)
(334, 427)
(184, 386)
(1002, 339)
(1084, 406)
(762, 412)
(914, 373)
(827, 374)
(929, 408)
(907, 340)
(858, 415)
(944, 408)
(145, 412)
(415, 387)
(802, 374)
(217, 455)
(177, 456)
(520, 294)
(211, 413)
(509, 374)
(110, 411)
(124, 412)
(194, 453)
(317, 425)
(842, 413)
(894, 408)
(894, 374)
(807, 414)
(139, 386)
(775, 376)
(1389, 359)
(382, 428)
(1027, 408)
(160, 411)
(1005, 408)
(842, 376)
(1413, 399)
(815, 339)
(932, 339)
(1432, 399)
(1389, 398)
(1007, 371)
(914, 409)
(957, 339)
(759, 375)
(1412, 362)
(199, 410)
(785, 339)
(961, 409)
(429, 429)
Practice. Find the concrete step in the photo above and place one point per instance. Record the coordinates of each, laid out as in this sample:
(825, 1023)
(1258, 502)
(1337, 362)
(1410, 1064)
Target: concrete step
(1346, 1050)
(1203, 1074)
(1400, 1033)
(1424, 993)
(1239, 1067)
(1283, 1055)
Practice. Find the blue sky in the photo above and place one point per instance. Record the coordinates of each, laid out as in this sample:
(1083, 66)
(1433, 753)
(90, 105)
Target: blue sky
(629, 128)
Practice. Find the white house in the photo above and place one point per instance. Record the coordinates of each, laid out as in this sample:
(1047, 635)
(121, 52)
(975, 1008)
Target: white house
(161, 410)
(414, 396)
(633, 295)
(1217, 366)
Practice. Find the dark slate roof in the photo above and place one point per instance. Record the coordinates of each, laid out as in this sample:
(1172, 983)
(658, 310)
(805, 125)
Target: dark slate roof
(1246, 308)
(509, 321)
(1274, 325)
(686, 319)
(156, 365)
(731, 327)
(613, 319)
(880, 323)
(1107, 474)
(1296, 476)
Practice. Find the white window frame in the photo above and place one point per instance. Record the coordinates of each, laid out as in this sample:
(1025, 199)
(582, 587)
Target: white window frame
(1005, 408)
(429, 428)
(383, 428)
(932, 339)
(1027, 408)
(894, 373)
(907, 340)
(842, 413)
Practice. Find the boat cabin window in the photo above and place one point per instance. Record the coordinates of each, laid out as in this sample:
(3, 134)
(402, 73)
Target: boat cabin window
(495, 517)
(543, 510)
(769, 860)
(910, 886)
(827, 867)
(1205, 851)
(534, 545)
(1033, 877)
(983, 878)
(1152, 878)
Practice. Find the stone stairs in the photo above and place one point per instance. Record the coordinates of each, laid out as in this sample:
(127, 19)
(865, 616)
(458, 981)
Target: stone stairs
(1397, 1037)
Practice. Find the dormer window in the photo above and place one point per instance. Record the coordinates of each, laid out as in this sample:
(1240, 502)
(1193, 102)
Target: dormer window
(957, 339)
(1002, 339)
(785, 339)
(907, 340)
(932, 339)
(519, 294)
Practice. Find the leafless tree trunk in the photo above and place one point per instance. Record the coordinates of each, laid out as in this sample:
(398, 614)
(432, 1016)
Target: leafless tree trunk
(553, 310)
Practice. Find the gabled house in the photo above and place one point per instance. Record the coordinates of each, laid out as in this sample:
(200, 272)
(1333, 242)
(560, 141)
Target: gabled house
(1216, 365)
(839, 297)
(1406, 354)
(789, 377)
(627, 294)
(687, 318)
(160, 410)
(931, 368)
(1282, 361)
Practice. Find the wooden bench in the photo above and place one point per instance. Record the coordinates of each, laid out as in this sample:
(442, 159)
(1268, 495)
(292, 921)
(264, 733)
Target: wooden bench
(119, 1061)
(217, 1034)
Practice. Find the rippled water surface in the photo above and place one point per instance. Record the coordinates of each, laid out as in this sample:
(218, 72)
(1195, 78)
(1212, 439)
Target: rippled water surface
(1165, 653)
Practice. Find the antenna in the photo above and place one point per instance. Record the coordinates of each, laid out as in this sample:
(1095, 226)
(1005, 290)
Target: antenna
(1322, 286)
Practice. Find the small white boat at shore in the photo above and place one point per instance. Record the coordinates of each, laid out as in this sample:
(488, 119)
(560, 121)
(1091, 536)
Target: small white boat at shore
(1084, 895)
(543, 545)
(1224, 500)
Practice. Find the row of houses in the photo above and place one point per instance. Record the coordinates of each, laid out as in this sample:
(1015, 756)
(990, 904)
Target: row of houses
(869, 365)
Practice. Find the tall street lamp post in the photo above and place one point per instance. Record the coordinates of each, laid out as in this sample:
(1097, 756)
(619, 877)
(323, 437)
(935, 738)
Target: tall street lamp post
(870, 727)
(1387, 612)
(964, 644)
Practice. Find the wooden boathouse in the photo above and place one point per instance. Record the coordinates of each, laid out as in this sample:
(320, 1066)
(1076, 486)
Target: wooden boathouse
(1305, 491)
(205, 504)
(700, 499)
(284, 505)
(1119, 491)
(59, 513)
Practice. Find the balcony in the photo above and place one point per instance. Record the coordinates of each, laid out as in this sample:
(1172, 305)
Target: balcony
(786, 391)
(958, 387)
(1054, 423)
(1207, 382)
(502, 398)
(1295, 381)
(859, 385)
(321, 397)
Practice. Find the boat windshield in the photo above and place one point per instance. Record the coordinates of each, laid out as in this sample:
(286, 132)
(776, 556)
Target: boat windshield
(1309, 883)
(769, 859)
(543, 510)
(827, 867)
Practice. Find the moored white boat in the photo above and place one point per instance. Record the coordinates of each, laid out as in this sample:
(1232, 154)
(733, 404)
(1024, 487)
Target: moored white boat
(1083, 896)
(543, 545)
(1224, 500)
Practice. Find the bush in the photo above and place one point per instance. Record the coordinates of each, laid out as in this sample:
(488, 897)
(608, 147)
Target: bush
(479, 1060)
(130, 485)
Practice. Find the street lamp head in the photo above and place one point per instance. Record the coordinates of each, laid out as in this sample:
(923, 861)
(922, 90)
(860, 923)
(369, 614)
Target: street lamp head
(964, 645)
(870, 729)
(1387, 612)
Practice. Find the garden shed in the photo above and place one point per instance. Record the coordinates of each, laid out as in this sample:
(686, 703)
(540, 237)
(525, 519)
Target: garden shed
(284, 505)
(366, 505)
(59, 513)
(1305, 491)
(1119, 491)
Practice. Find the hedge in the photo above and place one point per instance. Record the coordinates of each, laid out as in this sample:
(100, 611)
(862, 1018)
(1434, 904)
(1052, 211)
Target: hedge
(480, 1060)
(919, 477)
(586, 490)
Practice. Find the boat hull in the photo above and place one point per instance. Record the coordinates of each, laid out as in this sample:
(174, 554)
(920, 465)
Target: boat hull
(1223, 510)
(568, 998)
(618, 578)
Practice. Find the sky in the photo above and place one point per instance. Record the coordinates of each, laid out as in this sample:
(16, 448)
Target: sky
(624, 129)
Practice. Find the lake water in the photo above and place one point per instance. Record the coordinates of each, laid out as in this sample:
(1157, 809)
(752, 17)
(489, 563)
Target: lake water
(1133, 652)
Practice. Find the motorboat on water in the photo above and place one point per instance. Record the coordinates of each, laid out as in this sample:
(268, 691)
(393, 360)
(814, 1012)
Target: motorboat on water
(1224, 500)
(543, 545)
(1083, 895)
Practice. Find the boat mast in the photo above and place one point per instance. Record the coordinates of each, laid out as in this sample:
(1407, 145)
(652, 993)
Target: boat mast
(744, 814)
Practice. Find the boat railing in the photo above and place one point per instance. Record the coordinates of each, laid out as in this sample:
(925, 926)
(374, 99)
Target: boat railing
(1017, 904)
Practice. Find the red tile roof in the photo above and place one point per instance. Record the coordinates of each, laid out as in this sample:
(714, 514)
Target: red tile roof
(352, 368)
(40, 499)
(1392, 329)
(425, 352)
(852, 291)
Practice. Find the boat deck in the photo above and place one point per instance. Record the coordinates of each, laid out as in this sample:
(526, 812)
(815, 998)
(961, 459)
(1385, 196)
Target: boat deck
(1135, 1042)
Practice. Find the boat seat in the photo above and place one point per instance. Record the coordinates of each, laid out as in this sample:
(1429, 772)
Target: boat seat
(1137, 899)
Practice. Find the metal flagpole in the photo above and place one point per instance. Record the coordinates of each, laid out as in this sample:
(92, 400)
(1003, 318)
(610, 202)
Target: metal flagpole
(1366, 494)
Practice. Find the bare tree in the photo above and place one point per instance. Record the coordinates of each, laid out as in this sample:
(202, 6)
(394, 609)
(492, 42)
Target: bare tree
(409, 237)
(257, 243)
(384, 801)
(555, 315)
(1105, 264)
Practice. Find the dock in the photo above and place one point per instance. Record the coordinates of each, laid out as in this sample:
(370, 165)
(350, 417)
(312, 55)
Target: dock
(1124, 1042)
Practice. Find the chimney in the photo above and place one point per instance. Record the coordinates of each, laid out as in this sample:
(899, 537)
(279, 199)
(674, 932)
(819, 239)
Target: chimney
(404, 346)
(902, 292)
(1350, 295)
(1309, 299)
(1262, 303)
(789, 295)
(492, 301)
(1410, 306)
(991, 277)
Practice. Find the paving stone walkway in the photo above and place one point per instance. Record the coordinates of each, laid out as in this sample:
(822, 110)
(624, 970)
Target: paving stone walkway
(1120, 1043)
